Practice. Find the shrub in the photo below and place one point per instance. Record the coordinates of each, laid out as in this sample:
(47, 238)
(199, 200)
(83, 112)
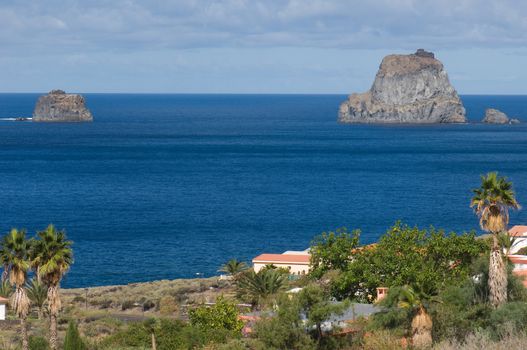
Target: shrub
(148, 304)
(221, 316)
(167, 306)
(38, 343)
(73, 340)
(127, 304)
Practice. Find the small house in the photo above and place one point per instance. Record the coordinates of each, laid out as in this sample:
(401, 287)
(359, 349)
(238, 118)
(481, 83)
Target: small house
(3, 304)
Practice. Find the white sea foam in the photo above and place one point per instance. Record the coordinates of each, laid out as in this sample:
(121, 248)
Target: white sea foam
(14, 119)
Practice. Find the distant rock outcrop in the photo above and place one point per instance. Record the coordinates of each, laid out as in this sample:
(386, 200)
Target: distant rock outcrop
(58, 106)
(494, 116)
(407, 89)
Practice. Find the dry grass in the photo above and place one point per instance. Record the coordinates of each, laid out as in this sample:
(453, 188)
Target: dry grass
(482, 341)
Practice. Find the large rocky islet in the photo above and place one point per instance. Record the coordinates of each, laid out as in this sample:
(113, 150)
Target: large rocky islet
(407, 89)
(58, 106)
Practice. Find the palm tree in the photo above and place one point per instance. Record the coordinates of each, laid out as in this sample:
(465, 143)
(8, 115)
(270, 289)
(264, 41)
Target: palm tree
(233, 267)
(17, 255)
(415, 300)
(37, 293)
(491, 202)
(259, 286)
(53, 255)
(6, 289)
(4, 258)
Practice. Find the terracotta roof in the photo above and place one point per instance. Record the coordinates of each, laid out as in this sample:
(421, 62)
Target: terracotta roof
(3, 300)
(283, 258)
(518, 231)
(518, 259)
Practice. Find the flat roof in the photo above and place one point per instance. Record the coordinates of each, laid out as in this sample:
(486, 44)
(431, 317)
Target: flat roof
(283, 258)
(518, 231)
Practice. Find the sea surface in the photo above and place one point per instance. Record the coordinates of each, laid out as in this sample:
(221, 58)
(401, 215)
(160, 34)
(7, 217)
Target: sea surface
(171, 186)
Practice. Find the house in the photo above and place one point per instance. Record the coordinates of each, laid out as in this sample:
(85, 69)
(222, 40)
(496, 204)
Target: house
(297, 262)
(3, 303)
(518, 234)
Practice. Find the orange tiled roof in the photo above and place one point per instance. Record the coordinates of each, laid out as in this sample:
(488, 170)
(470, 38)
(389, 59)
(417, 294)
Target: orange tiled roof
(283, 258)
(518, 230)
(518, 259)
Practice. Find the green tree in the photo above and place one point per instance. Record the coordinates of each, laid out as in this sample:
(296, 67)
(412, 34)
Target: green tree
(258, 287)
(73, 340)
(332, 251)
(223, 315)
(408, 256)
(315, 303)
(233, 267)
(37, 293)
(53, 255)
(285, 329)
(491, 203)
(16, 248)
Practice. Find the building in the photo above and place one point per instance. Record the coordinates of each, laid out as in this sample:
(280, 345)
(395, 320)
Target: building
(297, 262)
(3, 303)
(519, 234)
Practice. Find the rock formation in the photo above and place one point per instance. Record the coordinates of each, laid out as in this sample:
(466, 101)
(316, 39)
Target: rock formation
(407, 89)
(58, 106)
(494, 116)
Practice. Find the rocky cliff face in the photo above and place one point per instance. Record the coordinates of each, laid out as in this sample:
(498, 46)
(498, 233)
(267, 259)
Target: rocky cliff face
(407, 89)
(58, 106)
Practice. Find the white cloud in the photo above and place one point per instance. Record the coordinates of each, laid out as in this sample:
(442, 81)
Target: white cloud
(136, 25)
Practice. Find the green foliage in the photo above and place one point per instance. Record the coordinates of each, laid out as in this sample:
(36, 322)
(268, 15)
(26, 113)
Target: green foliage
(221, 316)
(51, 255)
(315, 303)
(37, 293)
(492, 201)
(408, 256)
(73, 340)
(233, 267)
(285, 329)
(510, 315)
(6, 289)
(38, 343)
(257, 287)
(332, 251)
(169, 334)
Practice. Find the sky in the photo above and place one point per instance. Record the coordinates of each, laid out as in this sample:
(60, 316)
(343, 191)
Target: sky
(255, 46)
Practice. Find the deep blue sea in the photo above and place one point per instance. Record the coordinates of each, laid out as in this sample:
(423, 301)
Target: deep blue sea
(170, 186)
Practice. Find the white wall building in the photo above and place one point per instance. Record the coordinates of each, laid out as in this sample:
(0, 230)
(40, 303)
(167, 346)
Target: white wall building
(297, 263)
(519, 234)
(3, 304)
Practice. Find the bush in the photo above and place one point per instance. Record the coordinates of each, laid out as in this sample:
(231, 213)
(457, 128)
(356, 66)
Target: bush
(221, 316)
(127, 304)
(148, 304)
(38, 343)
(73, 340)
(167, 306)
(170, 335)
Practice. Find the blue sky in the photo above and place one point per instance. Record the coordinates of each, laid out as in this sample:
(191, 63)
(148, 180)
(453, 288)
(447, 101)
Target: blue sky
(253, 46)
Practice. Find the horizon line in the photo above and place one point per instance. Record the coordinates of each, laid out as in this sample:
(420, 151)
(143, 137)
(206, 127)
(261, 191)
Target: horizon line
(238, 93)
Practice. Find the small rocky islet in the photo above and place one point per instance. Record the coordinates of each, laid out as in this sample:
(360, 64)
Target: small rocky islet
(58, 106)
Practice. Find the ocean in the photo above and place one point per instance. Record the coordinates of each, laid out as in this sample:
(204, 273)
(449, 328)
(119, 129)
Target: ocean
(173, 186)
